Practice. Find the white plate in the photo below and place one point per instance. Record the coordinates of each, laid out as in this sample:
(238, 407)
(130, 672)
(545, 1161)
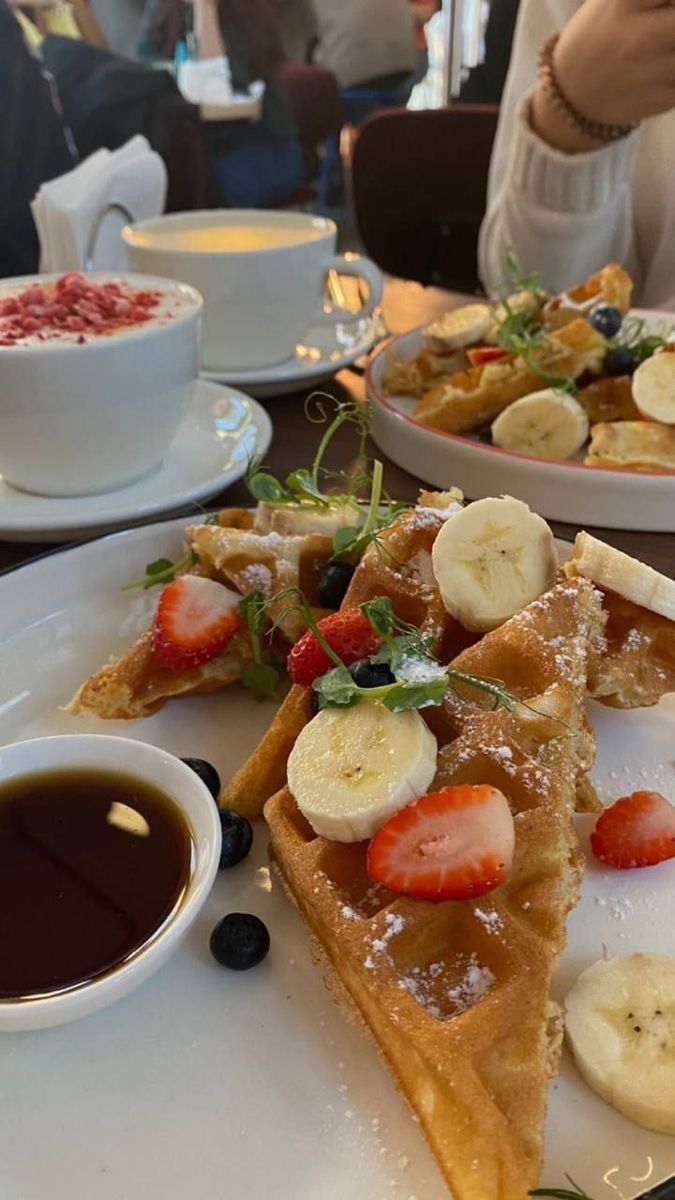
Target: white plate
(208, 1083)
(325, 350)
(562, 491)
(221, 431)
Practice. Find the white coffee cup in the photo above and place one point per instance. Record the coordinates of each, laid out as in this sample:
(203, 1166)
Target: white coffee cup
(260, 300)
(78, 420)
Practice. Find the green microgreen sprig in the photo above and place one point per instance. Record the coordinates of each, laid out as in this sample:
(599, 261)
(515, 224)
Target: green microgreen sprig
(308, 486)
(517, 280)
(263, 675)
(521, 332)
(517, 334)
(633, 336)
(305, 485)
(562, 1193)
(162, 571)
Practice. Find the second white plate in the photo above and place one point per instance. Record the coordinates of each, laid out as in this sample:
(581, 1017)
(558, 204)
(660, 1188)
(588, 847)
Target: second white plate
(561, 491)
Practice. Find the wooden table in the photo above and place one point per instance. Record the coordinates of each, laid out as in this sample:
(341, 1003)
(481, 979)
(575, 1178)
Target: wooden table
(405, 306)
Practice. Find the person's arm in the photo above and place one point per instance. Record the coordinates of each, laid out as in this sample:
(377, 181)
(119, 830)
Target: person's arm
(207, 29)
(561, 200)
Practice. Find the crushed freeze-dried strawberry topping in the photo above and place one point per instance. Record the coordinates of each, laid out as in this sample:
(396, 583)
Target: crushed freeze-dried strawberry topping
(75, 308)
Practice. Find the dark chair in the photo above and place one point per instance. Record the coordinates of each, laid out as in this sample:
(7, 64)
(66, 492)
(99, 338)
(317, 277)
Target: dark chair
(313, 96)
(419, 187)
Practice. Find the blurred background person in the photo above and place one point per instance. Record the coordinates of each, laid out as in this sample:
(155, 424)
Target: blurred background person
(485, 83)
(34, 145)
(366, 42)
(257, 164)
(297, 29)
(583, 168)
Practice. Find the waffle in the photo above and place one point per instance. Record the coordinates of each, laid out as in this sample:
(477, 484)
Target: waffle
(608, 399)
(473, 397)
(456, 995)
(398, 566)
(244, 558)
(414, 377)
(611, 286)
(633, 445)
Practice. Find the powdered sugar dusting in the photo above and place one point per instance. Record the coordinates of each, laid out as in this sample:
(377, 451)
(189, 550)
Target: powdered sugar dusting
(394, 924)
(491, 920)
(424, 988)
(476, 983)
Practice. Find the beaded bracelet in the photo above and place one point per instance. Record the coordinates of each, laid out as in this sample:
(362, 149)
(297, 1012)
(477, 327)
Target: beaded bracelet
(592, 129)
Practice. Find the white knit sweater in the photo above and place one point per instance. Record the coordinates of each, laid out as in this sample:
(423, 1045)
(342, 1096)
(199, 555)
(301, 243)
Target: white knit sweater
(564, 215)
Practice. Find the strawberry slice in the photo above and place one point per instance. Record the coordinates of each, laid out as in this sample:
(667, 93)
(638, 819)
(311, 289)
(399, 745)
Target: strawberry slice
(637, 831)
(450, 845)
(348, 633)
(195, 620)
(480, 355)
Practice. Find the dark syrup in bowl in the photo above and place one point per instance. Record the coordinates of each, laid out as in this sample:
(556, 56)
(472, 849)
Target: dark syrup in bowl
(92, 864)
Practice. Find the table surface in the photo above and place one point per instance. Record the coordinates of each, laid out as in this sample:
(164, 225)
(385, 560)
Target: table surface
(405, 306)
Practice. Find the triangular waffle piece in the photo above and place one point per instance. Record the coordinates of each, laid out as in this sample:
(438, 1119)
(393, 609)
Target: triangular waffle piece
(638, 665)
(456, 995)
(243, 558)
(398, 565)
(477, 395)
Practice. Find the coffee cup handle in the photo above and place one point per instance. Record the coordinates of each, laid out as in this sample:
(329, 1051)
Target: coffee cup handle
(361, 268)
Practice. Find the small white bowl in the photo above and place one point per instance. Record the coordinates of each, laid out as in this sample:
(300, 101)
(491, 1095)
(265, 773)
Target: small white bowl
(78, 420)
(170, 775)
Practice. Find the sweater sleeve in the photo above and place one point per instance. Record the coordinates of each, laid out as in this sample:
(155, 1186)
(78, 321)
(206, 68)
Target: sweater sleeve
(563, 215)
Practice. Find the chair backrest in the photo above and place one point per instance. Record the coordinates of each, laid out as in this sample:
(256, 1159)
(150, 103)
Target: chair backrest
(313, 96)
(419, 188)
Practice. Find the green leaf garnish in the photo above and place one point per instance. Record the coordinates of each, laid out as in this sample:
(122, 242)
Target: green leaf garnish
(262, 679)
(380, 613)
(264, 486)
(163, 570)
(336, 689)
(261, 676)
(402, 696)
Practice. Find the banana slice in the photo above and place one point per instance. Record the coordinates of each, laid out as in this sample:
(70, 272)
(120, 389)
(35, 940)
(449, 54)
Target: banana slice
(615, 571)
(654, 388)
(621, 1028)
(491, 559)
(546, 424)
(353, 768)
(461, 327)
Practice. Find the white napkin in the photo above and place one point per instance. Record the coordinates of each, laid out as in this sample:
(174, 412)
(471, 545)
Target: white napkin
(66, 210)
(206, 81)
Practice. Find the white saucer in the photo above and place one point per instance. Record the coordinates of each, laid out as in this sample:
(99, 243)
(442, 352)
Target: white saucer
(222, 430)
(325, 350)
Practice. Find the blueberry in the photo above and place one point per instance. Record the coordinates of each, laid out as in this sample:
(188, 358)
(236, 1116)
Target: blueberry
(206, 772)
(333, 584)
(606, 319)
(237, 838)
(240, 941)
(620, 361)
(371, 675)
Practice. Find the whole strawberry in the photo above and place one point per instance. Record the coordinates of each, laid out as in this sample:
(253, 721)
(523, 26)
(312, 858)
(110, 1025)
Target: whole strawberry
(348, 633)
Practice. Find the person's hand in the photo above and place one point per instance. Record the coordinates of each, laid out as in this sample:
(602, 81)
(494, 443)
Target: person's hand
(615, 62)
